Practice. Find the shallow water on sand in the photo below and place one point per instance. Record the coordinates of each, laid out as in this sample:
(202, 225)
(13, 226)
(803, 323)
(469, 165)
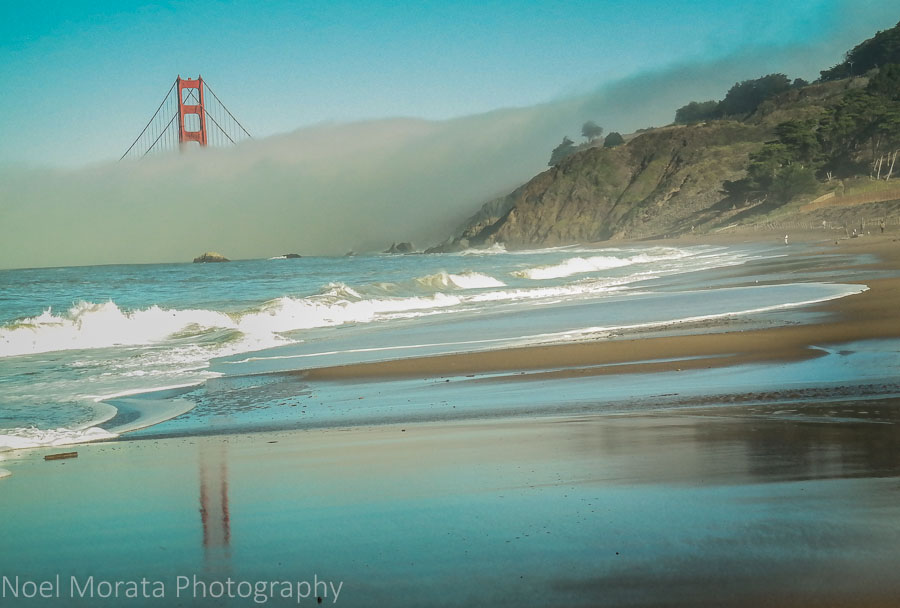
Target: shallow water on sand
(231, 404)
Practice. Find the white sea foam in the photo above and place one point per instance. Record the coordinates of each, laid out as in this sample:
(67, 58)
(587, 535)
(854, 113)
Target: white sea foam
(31, 437)
(92, 326)
(492, 250)
(193, 337)
(4, 473)
(291, 314)
(582, 265)
(572, 266)
(464, 280)
(87, 325)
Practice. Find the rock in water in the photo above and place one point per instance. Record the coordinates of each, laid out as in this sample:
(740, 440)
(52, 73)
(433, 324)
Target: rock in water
(400, 248)
(210, 256)
(292, 256)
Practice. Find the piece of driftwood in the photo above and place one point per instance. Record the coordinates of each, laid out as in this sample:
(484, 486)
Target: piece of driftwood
(61, 456)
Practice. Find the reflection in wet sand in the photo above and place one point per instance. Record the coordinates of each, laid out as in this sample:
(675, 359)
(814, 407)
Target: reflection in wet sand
(214, 510)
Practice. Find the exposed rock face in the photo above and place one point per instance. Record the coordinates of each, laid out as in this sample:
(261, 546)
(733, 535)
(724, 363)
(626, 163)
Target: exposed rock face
(292, 256)
(475, 226)
(662, 181)
(400, 248)
(210, 256)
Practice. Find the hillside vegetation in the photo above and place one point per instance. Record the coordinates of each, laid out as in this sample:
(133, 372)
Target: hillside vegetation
(768, 147)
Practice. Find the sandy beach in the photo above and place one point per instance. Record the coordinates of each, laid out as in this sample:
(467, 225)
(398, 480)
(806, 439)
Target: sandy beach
(715, 489)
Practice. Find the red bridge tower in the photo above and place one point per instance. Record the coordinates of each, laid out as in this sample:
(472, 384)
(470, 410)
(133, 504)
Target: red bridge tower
(193, 90)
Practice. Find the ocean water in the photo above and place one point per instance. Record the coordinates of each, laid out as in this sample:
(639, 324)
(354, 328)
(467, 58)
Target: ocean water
(76, 343)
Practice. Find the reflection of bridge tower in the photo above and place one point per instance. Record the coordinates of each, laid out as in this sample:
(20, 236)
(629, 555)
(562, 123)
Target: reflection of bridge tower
(214, 501)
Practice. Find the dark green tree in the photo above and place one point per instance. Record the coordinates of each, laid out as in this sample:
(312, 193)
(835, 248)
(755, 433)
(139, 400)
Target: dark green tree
(858, 130)
(591, 130)
(784, 168)
(886, 83)
(562, 151)
(697, 111)
(801, 139)
(766, 164)
(794, 180)
(744, 97)
(613, 139)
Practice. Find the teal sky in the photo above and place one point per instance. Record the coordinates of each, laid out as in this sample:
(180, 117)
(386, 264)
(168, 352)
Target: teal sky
(81, 78)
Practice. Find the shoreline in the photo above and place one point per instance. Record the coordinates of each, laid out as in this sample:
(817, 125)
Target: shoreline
(710, 344)
(494, 384)
(870, 315)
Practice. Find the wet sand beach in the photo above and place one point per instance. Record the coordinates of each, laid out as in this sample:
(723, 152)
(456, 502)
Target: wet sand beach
(713, 507)
(710, 466)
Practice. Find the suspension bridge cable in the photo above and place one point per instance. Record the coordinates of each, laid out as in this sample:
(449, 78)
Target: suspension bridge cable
(150, 121)
(220, 128)
(160, 135)
(229, 112)
(211, 115)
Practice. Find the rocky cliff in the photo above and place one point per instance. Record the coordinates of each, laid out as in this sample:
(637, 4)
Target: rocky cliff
(663, 181)
(658, 183)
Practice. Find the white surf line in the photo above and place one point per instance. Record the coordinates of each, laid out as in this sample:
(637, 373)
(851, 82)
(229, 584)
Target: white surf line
(139, 391)
(366, 350)
(574, 334)
(539, 372)
(148, 415)
(28, 438)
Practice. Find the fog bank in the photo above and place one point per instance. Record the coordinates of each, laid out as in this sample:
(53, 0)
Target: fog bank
(335, 187)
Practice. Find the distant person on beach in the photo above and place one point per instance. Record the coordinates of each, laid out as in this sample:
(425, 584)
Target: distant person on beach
(785, 239)
(881, 225)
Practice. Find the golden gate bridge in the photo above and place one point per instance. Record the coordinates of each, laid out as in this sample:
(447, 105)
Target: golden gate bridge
(187, 117)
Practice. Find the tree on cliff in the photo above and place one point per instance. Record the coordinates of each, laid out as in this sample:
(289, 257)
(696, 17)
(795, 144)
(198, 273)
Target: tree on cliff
(886, 82)
(562, 151)
(613, 139)
(744, 97)
(697, 111)
(591, 130)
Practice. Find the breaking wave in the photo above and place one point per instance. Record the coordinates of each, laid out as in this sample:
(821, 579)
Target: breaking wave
(194, 336)
(87, 325)
(582, 265)
(465, 280)
(495, 248)
(90, 326)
